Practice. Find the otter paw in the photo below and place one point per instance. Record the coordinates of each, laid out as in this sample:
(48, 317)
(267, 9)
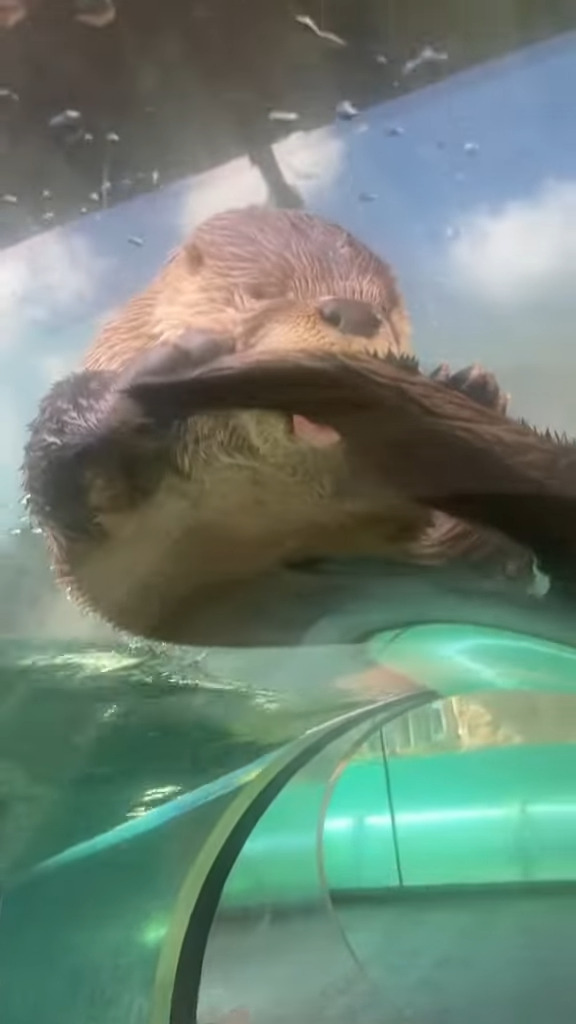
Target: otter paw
(156, 380)
(476, 383)
(74, 464)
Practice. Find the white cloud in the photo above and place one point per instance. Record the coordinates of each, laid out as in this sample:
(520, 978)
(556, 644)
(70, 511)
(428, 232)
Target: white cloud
(520, 252)
(43, 279)
(311, 160)
(237, 183)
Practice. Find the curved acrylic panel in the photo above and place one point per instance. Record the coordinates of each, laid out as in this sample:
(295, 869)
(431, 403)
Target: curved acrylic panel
(482, 820)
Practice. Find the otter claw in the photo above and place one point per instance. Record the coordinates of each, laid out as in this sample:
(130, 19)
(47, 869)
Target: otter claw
(441, 374)
(170, 359)
(156, 380)
(476, 383)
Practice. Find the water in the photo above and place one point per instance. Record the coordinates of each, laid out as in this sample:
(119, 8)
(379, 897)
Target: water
(94, 736)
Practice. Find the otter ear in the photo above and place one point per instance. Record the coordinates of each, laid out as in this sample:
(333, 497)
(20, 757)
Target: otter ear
(194, 256)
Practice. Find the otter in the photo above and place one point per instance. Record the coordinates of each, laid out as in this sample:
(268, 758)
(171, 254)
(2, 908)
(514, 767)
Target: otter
(441, 440)
(151, 519)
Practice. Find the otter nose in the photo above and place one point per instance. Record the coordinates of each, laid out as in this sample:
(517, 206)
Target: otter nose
(350, 316)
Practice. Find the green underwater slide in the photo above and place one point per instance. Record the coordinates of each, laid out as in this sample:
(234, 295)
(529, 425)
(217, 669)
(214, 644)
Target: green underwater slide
(378, 857)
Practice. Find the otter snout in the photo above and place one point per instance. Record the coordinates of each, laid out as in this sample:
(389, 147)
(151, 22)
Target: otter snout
(350, 316)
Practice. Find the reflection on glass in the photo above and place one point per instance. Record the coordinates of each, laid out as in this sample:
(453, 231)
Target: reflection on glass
(482, 821)
(275, 948)
(412, 852)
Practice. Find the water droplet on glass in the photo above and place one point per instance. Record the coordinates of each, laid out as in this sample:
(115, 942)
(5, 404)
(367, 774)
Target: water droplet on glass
(135, 240)
(394, 131)
(346, 110)
(46, 194)
(11, 13)
(83, 210)
(112, 137)
(68, 126)
(88, 137)
(426, 56)
(381, 58)
(471, 148)
(49, 215)
(7, 95)
(95, 197)
(96, 13)
(155, 177)
(9, 198)
(330, 37)
(66, 119)
(283, 115)
(367, 197)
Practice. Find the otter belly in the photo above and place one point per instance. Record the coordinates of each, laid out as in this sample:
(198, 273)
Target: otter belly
(197, 537)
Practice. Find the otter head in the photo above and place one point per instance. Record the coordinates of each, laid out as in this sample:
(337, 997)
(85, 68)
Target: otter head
(280, 280)
(289, 281)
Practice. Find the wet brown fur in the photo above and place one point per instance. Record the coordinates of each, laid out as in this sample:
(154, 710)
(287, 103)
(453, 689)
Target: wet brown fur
(238, 495)
(429, 441)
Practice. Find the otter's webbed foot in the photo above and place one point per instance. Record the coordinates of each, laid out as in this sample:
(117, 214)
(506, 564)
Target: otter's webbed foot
(94, 449)
(476, 383)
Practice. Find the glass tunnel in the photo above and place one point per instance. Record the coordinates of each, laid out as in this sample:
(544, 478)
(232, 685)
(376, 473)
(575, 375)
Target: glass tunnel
(364, 810)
